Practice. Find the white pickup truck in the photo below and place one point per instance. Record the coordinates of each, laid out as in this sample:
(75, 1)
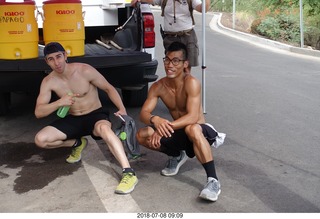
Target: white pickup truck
(125, 58)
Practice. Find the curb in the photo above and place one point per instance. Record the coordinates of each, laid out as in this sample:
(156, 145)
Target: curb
(216, 24)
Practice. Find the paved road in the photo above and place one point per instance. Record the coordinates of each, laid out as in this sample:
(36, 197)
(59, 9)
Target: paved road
(266, 101)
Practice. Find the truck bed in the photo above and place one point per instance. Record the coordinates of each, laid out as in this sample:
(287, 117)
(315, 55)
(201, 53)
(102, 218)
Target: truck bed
(95, 55)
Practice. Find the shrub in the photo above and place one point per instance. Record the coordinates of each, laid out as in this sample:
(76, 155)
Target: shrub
(281, 27)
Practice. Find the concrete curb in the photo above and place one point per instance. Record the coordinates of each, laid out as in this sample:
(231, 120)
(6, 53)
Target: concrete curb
(216, 24)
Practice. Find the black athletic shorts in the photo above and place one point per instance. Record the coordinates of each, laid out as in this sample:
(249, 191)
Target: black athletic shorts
(180, 141)
(78, 126)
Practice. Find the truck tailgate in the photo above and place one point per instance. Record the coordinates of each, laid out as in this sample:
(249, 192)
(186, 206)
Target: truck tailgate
(95, 55)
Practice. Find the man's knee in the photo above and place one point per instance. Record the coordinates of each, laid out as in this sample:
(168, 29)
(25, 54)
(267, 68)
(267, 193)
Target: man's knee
(139, 139)
(144, 134)
(103, 129)
(193, 131)
(40, 140)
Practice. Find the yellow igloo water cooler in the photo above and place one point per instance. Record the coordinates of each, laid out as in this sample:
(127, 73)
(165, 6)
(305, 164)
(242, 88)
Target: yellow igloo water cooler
(63, 22)
(18, 30)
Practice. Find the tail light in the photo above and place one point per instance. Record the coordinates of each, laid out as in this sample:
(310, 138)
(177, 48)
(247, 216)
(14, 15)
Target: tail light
(148, 29)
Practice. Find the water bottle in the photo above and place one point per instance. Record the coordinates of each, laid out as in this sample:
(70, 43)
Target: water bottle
(63, 110)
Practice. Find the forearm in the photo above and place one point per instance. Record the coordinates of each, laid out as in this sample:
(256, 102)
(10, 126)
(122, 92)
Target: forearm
(208, 4)
(146, 117)
(199, 7)
(43, 110)
(116, 100)
(184, 121)
(133, 2)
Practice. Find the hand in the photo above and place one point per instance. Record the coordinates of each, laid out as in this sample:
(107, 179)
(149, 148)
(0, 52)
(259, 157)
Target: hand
(68, 99)
(120, 112)
(154, 141)
(163, 126)
(133, 2)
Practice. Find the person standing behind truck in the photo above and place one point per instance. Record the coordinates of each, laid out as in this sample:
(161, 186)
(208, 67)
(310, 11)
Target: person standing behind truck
(76, 85)
(178, 23)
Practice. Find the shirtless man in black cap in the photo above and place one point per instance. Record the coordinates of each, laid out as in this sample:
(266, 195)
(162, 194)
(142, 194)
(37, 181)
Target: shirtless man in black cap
(76, 85)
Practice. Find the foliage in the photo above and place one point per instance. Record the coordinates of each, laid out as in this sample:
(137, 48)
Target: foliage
(312, 37)
(284, 28)
(222, 5)
(312, 6)
(278, 19)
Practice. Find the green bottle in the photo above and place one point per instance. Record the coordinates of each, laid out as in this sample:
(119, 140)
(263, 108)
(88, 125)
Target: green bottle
(63, 110)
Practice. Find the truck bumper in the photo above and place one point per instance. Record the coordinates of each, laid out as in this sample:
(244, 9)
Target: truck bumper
(131, 77)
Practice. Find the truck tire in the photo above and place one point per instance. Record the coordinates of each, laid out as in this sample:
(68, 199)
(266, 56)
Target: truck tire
(4, 102)
(134, 98)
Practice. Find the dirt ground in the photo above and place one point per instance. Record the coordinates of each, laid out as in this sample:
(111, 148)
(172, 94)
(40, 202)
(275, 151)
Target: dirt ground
(241, 24)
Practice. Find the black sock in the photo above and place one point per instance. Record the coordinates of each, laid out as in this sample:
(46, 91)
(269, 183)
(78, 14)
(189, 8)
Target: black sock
(77, 143)
(210, 169)
(128, 170)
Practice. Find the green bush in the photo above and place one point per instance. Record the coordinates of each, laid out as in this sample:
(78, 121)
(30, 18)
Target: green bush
(312, 37)
(283, 28)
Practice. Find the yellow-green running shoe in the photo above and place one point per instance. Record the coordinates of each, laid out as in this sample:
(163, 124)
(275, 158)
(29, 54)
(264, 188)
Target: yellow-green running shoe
(127, 184)
(75, 155)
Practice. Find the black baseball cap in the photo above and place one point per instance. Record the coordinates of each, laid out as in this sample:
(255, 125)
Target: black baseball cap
(52, 48)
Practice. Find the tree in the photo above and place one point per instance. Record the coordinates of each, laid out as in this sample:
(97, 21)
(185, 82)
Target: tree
(312, 6)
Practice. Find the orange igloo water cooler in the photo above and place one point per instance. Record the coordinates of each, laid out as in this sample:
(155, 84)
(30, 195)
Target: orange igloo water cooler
(63, 22)
(18, 30)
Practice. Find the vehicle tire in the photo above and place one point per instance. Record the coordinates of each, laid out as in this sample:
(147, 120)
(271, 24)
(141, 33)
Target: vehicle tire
(4, 102)
(134, 98)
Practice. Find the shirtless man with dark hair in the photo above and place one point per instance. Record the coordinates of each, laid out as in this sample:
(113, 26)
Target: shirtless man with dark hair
(187, 134)
(76, 85)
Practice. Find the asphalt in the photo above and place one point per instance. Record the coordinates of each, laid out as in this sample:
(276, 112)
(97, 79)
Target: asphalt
(95, 167)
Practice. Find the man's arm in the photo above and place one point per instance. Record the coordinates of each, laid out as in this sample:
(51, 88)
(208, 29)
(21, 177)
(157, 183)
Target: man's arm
(133, 2)
(199, 7)
(43, 107)
(116, 99)
(162, 125)
(101, 82)
(149, 105)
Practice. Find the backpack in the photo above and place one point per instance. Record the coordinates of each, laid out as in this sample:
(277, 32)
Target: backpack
(164, 3)
(126, 130)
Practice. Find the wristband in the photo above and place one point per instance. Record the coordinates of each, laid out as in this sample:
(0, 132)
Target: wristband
(150, 120)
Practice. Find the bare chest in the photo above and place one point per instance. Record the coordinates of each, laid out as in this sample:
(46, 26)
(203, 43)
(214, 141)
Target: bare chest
(75, 86)
(175, 101)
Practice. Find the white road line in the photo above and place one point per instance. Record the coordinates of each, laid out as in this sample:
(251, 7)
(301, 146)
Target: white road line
(105, 178)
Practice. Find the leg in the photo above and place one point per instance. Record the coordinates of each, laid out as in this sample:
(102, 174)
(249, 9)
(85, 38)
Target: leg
(103, 129)
(201, 146)
(49, 137)
(174, 162)
(143, 137)
(203, 153)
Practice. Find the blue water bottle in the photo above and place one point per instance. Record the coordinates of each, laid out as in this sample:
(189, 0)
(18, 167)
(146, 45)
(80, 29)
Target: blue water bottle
(63, 110)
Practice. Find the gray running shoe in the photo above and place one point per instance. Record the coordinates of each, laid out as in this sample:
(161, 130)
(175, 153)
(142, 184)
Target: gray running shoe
(211, 190)
(173, 164)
